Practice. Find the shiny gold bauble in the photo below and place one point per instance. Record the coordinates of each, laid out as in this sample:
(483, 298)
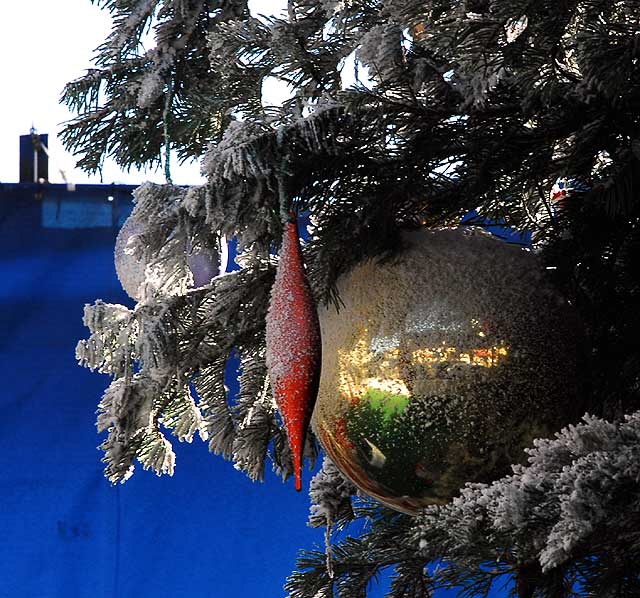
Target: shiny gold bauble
(442, 366)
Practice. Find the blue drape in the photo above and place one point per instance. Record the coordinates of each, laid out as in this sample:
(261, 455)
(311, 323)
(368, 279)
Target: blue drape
(65, 531)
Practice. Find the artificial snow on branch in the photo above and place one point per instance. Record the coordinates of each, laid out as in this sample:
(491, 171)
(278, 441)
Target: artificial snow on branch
(579, 489)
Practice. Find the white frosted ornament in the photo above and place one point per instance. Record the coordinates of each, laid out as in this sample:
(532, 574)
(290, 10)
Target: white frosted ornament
(136, 276)
(442, 366)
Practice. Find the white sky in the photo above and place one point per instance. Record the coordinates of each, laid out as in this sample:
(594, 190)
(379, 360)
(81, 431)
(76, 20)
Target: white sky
(43, 45)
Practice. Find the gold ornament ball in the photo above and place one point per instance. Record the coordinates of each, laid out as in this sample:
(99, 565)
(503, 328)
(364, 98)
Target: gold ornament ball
(442, 365)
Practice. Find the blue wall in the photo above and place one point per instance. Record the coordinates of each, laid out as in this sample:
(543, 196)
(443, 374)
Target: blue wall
(66, 531)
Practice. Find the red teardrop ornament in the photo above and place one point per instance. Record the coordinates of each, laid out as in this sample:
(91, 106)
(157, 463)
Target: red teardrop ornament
(293, 344)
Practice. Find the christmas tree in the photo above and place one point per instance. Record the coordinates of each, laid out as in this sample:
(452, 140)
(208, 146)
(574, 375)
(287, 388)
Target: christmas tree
(400, 115)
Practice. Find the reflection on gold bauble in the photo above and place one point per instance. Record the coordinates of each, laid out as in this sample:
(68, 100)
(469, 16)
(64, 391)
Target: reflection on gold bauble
(442, 366)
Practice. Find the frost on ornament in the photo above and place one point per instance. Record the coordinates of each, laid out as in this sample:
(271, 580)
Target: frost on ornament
(443, 366)
(129, 265)
(293, 344)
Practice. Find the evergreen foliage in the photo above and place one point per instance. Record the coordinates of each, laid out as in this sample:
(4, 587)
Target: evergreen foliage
(402, 113)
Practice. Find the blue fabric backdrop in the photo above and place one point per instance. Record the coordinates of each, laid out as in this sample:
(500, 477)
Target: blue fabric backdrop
(66, 531)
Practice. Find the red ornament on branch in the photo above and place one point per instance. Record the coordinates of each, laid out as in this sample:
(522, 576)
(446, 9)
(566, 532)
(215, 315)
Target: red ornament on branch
(293, 344)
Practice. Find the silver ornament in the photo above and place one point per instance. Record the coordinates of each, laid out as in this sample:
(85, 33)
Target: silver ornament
(138, 273)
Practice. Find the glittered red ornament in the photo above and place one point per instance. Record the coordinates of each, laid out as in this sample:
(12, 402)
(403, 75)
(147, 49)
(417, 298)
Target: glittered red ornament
(293, 344)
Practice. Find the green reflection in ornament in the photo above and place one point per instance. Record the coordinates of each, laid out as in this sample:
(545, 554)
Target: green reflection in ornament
(397, 447)
(388, 404)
